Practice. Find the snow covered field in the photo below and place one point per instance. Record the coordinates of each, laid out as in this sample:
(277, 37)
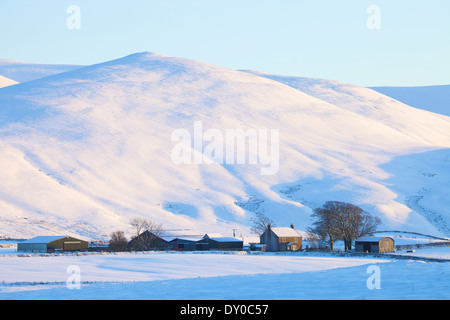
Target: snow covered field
(435, 253)
(190, 276)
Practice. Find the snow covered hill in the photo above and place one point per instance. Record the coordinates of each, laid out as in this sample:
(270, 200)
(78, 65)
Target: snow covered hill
(86, 150)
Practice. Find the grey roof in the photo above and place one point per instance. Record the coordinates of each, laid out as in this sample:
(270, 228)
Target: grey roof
(43, 239)
(226, 239)
(370, 239)
(188, 238)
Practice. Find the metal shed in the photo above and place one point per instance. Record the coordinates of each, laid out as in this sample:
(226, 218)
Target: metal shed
(184, 243)
(44, 244)
(375, 244)
(219, 243)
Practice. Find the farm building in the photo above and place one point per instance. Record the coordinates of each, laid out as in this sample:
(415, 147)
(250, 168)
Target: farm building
(183, 243)
(44, 244)
(219, 243)
(257, 247)
(281, 239)
(375, 244)
(147, 241)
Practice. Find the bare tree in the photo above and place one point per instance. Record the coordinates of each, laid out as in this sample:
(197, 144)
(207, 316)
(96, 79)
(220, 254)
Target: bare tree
(146, 234)
(260, 223)
(343, 221)
(325, 226)
(118, 241)
(359, 224)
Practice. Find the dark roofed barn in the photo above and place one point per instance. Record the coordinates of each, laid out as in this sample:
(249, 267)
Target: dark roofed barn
(219, 243)
(146, 241)
(183, 243)
(375, 244)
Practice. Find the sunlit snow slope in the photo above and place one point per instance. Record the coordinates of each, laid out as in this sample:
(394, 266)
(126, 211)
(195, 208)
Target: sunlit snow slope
(83, 152)
(5, 82)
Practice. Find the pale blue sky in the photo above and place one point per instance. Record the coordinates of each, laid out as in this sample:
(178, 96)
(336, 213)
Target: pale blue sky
(322, 38)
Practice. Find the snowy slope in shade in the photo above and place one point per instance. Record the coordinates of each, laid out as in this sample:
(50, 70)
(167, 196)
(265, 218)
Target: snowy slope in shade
(422, 183)
(5, 82)
(93, 145)
(432, 98)
(24, 71)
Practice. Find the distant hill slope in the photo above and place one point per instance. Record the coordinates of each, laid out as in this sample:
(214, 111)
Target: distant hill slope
(89, 149)
(432, 98)
(23, 71)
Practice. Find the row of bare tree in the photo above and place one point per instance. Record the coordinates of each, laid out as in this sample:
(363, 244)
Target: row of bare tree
(342, 221)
